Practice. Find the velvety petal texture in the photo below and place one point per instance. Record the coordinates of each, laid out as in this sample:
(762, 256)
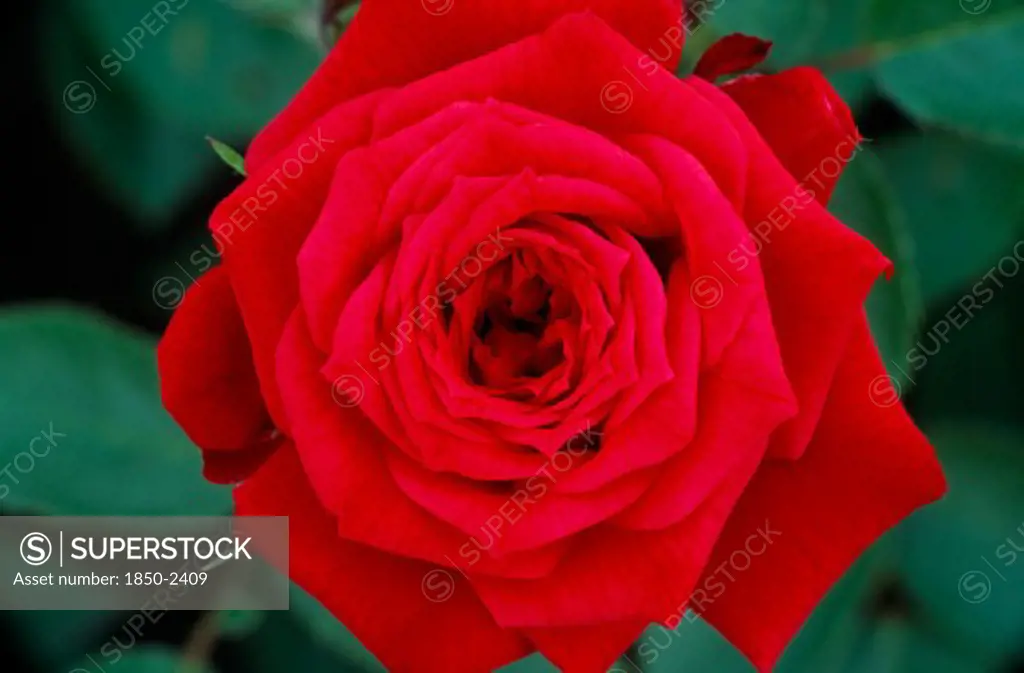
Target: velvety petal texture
(526, 335)
(380, 597)
(394, 42)
(209, 384)
(808, 126)
(866, 469)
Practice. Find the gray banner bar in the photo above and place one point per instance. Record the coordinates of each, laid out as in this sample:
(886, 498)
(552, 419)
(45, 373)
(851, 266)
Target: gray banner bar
(131, 563)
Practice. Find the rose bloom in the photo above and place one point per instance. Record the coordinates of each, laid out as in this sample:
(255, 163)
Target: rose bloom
(537, 344)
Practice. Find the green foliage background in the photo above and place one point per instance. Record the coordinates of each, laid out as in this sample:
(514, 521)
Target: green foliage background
(936, 85)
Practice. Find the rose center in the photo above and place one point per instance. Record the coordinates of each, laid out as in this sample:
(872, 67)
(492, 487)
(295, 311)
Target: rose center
(520, 325)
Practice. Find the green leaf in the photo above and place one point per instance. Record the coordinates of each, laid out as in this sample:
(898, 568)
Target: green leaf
(793, 27)
(299, 17)
(948, 63)
(55, 639)
(896, 644)
(284, 644)
(693, 645)
(208, 67)
(968, 363)
(971, 83)
(801, 32)
(828, 641)
(136, 90)
(228, 155)
(964, 206)
(855, 629)
(535, 663)
(328, 632)
(844, 28)
(896, 26)
(845, 618)
(964, 556)
(146, 659)
(147, 166)
(83, 426)
(338, 16)
(864, 201)
(954, 64)
(901, 607)
(238, 624)
(901, 646)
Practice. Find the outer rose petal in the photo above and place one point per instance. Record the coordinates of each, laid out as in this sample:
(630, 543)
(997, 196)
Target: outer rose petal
(231, 467)
(262, 224)
(208, 381)
(867, 468)
(378, 596)
(818, 273)
(585, 649)
(393, 42)
(591, 55)
(804, 121)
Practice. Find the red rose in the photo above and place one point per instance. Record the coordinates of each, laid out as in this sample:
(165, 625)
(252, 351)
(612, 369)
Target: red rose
(537, 344)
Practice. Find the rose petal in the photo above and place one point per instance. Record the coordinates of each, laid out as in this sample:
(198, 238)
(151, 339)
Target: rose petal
(712, 230)
(261, 225)
(585, 649)
(817, 271)
(231, 467)
(527, 516)
(612, 575)
(351, 232)
(740, 403)
(597, 66)
(808, 126)
(410, 614)
(867, 468)
(394, 42)
(208, 381)
(664, 424)
(378, 188)
(344, 455)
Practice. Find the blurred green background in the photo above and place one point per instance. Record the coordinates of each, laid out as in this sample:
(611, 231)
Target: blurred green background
(114, 180)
